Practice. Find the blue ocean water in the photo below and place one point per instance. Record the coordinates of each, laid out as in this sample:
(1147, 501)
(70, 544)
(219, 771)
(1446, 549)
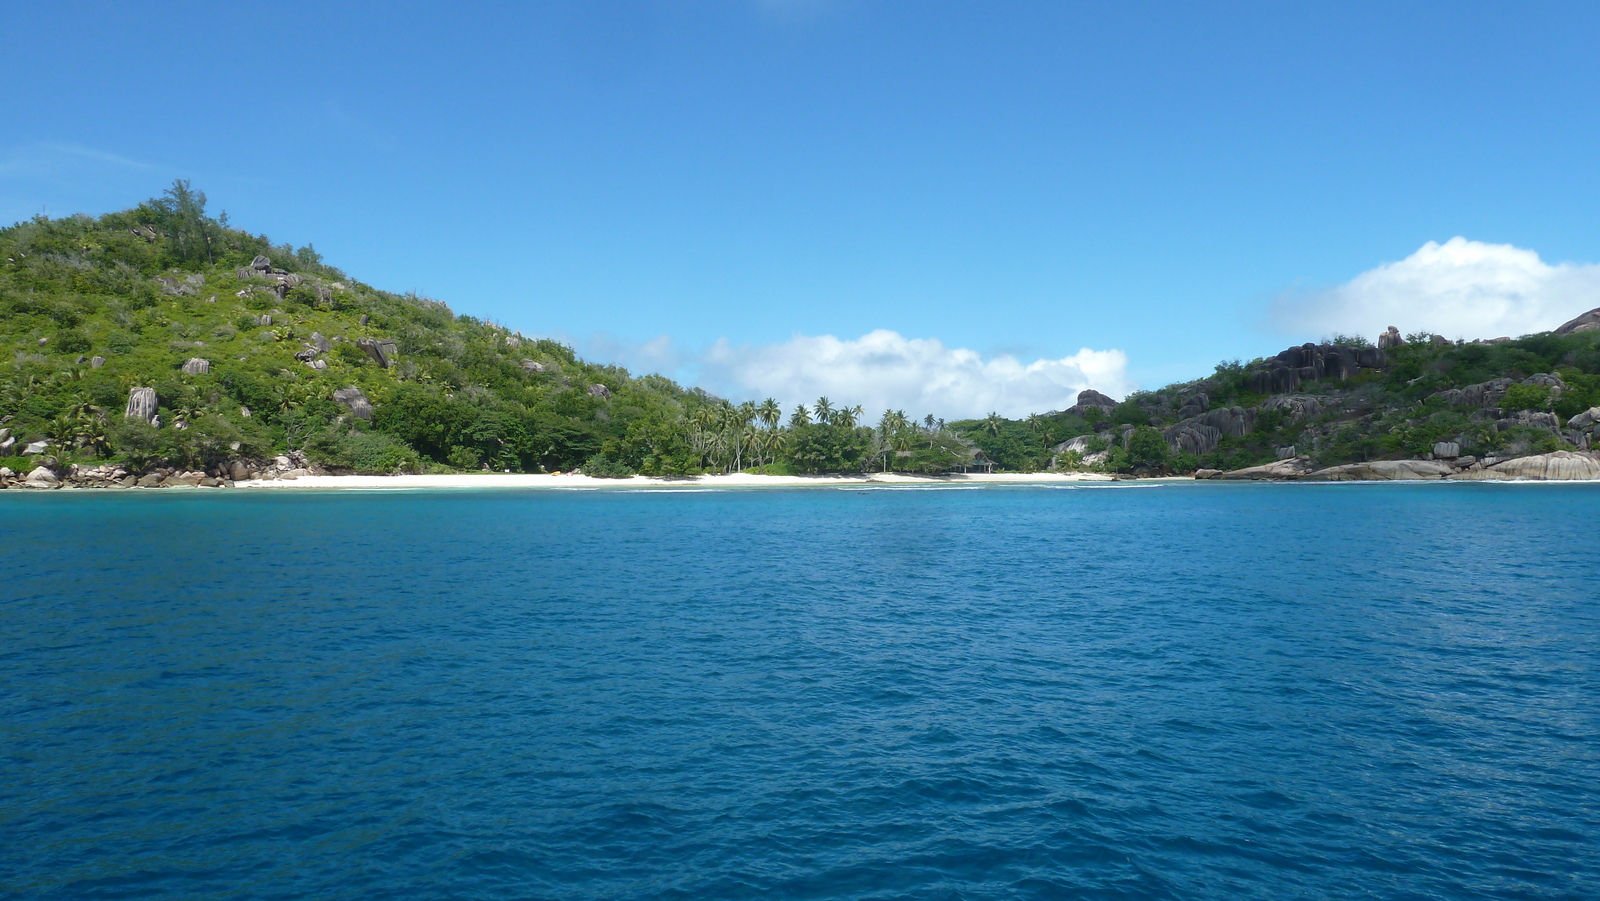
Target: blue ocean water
(1188, 691)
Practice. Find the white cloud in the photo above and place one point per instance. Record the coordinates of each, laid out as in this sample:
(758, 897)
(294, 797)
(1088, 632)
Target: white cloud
(883, 370)
(1460, 289)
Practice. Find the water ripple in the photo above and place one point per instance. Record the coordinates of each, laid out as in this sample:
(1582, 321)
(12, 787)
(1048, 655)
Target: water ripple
(1208, 691)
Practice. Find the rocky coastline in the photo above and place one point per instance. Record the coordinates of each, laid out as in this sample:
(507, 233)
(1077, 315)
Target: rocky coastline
(1555, 466)
(49, 475)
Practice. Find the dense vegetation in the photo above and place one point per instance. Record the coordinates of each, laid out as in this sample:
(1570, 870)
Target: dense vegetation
(93, 308)
(1526, 391)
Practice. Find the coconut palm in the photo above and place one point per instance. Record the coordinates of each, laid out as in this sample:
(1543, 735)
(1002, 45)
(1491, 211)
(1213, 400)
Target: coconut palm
(800, 416)
(824, 409)
(187, 412)
(770, 413)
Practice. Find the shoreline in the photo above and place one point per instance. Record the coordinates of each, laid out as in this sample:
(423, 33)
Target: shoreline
(736, 481)
(733, 480)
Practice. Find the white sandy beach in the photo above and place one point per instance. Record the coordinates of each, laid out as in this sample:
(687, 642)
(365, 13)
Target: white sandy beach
(737, 480)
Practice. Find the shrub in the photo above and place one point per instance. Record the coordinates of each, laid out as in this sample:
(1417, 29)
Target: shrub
(1147, 448)
(464, 457)
(361, 451)
(602, 467)
(1526, 397)
(73, 342)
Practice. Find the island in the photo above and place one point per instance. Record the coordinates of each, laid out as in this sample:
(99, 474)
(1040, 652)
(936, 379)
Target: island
(160, 347)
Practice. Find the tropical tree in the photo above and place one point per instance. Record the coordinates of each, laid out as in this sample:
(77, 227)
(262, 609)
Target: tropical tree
(770, 413)
(824, 409)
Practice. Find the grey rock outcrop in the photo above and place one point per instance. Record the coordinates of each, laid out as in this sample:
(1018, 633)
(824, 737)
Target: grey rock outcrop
(1586, 420)
(533, 366)
(375, 350)
(1235, 422)
(1282, 470)
(1193, 438)
(1298, 407)
(1194, 405)
(1484, 394)
(41, 477)
(353, 400)
(185, 287)
(1088, 399)
(1313, 362)
(319, 343)
(96, 362)
(1557, 466)
(1548, 380)
(142, 404)
(1390, 339)
(1382, 471)
(264, 319)
(1091, 397)
(600, 391)
(1587, 322)
(1446, 449)
(196, 366)
(36, 448)
(1546, 422)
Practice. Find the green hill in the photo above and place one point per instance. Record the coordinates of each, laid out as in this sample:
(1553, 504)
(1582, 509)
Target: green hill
(92, 308)
(160, 338)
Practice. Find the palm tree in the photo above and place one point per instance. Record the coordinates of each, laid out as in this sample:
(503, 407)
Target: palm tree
(992, 423)
(800, 416)
(824, 409)
(188, 412)
(743, 415)
(701, 422)
(770, 413)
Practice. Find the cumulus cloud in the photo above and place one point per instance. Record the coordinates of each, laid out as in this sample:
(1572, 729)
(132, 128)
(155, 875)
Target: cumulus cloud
(1461, 289)
(884, 370)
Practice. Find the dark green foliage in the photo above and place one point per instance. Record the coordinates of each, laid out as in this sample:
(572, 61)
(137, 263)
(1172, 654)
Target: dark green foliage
(150, 287)
(1013, 444)
(1129, 412)
(361, 451)
(1147, 449)
(602, 467)
(1526, 397)
(457, 395)
(824, 447)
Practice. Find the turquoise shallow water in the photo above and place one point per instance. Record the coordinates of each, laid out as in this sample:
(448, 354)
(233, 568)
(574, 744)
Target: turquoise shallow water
(1190, 691)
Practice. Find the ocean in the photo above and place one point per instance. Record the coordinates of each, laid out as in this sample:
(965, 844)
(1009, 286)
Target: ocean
(1186, 691)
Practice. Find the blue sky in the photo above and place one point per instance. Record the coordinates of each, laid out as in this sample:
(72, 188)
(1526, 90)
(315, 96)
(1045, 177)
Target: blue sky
(717, 189)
